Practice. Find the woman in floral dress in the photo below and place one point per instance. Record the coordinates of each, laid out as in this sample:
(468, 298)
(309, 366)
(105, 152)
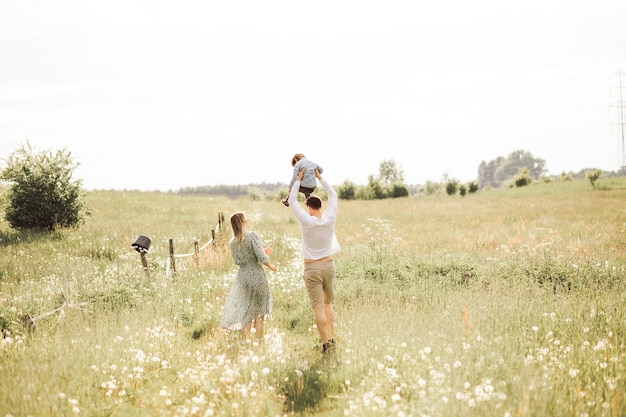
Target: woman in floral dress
(249, 300)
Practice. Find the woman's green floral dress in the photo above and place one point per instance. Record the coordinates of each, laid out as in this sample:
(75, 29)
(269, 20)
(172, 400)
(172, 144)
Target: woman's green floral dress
(249, 297)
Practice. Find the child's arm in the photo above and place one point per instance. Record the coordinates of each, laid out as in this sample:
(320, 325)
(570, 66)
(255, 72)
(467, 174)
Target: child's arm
(294, 176)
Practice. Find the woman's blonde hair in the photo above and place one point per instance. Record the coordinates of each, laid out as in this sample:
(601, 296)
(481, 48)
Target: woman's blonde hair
(237, 222)
(296, 158)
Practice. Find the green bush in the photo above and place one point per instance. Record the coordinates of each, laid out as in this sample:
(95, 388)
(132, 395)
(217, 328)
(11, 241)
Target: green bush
(452, 186)
(522, 178)
(376, 189)
(431, 188)
(399, 190)
(347, 190)
(593, 176)
(42, 193)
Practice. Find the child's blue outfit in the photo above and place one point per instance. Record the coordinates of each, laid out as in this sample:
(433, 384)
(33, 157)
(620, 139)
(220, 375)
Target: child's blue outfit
(308, 180)
(308, 184)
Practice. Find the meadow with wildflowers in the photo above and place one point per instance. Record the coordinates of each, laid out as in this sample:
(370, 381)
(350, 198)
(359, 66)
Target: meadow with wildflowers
(500, 303)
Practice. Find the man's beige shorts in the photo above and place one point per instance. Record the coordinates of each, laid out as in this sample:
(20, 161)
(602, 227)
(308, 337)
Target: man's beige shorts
(319, 279)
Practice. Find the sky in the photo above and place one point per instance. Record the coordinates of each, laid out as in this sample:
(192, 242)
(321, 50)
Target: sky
(155, 95)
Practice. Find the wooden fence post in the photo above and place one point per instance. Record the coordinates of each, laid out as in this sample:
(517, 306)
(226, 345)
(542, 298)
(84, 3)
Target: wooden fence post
(196, 250)
(144, 261)
(172, 257)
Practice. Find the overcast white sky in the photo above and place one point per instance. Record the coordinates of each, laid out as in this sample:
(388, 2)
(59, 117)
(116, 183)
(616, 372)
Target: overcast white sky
(160, 95)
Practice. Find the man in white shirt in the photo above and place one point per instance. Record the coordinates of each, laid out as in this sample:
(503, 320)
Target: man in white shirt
(319, 244)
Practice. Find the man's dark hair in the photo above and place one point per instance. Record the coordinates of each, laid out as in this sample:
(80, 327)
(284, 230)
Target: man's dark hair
(314, 202)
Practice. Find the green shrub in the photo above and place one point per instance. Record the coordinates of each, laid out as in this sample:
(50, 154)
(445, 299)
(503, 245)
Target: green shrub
(376, 189)
(522, 178)
(347, 191)
(399, 190)
(593, 176)
(43, 194)
(452, 186)
(431, 188)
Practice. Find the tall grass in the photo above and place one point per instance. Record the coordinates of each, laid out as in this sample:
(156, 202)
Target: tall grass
(500, 303)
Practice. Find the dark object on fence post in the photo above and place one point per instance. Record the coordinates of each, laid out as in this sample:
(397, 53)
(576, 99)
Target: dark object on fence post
(213, 237)
(196, 250)
(172, 257)
(142, 245)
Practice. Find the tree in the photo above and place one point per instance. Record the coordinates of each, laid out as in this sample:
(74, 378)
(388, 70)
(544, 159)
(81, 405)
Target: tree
(389, 173)
(42, 193)
(347, 191)
(487, 172)
(376, 190)
(497, 172)
(593, 176)
(517, 160)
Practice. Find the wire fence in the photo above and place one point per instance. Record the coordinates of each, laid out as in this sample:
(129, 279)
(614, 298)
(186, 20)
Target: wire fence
(142, 245)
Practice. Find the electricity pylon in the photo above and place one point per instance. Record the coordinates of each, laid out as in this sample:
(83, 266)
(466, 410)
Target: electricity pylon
(621, 119)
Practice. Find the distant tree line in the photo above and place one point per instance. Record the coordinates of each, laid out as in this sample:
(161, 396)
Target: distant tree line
(389, 183)
(38, 191)
(234, 191)
(498, 172)
(520, 168)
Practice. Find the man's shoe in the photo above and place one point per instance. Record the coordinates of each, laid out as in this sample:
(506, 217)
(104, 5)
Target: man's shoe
(285, 202)
(328, 345)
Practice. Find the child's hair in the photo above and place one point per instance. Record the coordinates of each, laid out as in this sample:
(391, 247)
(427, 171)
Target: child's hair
(296, 158)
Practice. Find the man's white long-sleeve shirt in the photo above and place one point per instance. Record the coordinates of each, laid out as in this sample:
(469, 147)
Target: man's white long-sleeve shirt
(318, 235)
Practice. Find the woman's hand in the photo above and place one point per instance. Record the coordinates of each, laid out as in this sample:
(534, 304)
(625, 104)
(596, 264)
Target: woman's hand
(268, 251)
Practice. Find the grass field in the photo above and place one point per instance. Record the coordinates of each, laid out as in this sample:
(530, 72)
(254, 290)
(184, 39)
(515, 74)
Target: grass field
(500, 303)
